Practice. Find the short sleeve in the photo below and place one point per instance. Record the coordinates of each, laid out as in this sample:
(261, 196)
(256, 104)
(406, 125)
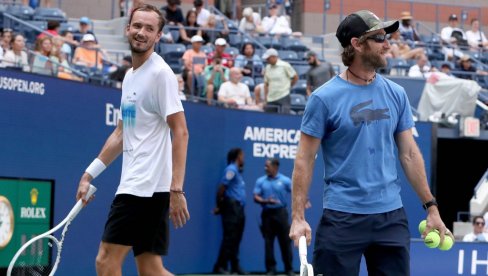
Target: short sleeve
(314, 118)
(167, 99)
(229, 174)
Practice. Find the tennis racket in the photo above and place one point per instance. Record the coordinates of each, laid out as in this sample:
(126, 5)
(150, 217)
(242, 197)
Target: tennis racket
(306, 269)
(34, 257)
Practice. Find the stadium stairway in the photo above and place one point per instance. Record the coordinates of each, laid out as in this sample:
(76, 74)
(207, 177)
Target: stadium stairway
(330, 51)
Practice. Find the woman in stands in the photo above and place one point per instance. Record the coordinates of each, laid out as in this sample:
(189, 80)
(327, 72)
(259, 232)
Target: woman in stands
(190, 28)
(400, 49)
(17, 56)
(476, 38)
(212, 31)
(250, 63)
(6, 38)
(43, 62)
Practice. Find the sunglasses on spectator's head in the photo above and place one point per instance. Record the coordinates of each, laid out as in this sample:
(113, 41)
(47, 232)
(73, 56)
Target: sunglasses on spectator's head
(7, 30)
(378, 38)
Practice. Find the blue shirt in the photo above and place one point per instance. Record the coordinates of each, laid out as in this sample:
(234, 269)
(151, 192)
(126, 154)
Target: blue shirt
(356, 126)
(235, 188)
(278, 187)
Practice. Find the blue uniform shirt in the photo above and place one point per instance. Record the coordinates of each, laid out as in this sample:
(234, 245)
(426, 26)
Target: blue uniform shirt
(277, 187)
(356, 126)
(234, 184)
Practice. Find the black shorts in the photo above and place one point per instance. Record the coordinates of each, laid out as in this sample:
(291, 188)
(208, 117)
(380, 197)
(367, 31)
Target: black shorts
(140, 222)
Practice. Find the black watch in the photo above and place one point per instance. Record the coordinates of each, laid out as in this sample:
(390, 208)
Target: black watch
(430, 203)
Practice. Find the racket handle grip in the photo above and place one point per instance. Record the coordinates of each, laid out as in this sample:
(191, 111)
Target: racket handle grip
(91, 190)
(302, 247)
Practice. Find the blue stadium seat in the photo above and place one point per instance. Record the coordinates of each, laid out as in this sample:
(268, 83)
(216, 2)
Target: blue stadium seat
(288, 55)
(29, 33)
(270, 42)
(65, 26)
(233, 51)
(21, 12)
(299, 88)
(399, 64)
(172, 53)
(49, 14)
(301, 70)
(249, 82)
(294, 44)
(298, 102)
(207, 49)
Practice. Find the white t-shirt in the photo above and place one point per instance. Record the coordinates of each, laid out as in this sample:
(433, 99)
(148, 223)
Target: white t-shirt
(202, 17)
(474, 38)
(446, 33)
(238, 92)
(149, 96)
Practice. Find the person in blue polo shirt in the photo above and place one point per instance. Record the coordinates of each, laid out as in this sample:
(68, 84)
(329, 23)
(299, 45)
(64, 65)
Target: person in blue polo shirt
(231, 198)
(272, 192)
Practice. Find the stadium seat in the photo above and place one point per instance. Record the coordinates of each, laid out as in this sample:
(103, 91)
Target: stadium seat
(233, 51)
(207, 49)
(270, 42)
(288, 55)
(400, 65)
(299, 88)
(249, 82)
(301, 70)
(294, 44)
(298, 102)
(65, 26)
(30, 33)
(172, 53)
(21, 12)
(49, 14)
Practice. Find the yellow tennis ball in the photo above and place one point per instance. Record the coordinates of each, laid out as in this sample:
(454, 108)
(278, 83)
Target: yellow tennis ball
(422, 226)
(447, 243)
(432, 240)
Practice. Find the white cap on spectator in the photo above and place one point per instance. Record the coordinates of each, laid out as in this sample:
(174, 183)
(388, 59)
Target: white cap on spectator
(247, 11)
(220, 42)
(196, 38)
(269, 53)
(88, 37)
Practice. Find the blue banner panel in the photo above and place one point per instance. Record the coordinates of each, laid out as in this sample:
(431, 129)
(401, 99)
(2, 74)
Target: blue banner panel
(53, 129)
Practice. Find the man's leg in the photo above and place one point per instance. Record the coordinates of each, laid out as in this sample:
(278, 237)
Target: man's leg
(110, 259)
(268, 236)
(149, 264)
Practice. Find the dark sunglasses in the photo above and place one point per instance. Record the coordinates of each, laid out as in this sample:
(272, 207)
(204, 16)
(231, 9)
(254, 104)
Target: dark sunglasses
(378, 38)
(480, 223)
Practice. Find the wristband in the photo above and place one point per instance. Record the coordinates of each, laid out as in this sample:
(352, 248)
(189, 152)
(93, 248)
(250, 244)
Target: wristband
(96, 168)
(177, 191)
(429, 204)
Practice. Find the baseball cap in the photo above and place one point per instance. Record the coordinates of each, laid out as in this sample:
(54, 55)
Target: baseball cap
(85, 20)
(269, 53)
(196, 38)
(220, 42)
(88, 37)
(310, 54)
(361, 22)
(453, 17)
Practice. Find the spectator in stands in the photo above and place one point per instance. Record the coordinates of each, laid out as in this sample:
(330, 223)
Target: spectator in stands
(190, 28)
(17, 56)
(446, 69)
(227, 59)
(192, 69)
(202, 12)
(69, 44)
(406, 29)
(89, 53)
(173, 13)
(419, 69)
(250, 22)
(37, 3)
(42, 62)
(279, 77)
(275, 24)
(466, 69)
(319, 72)
(181, 87)
(63, 67)
(476, 38)
(118, 75)
(85, 28)
(52, 28)
(211, 31)
(225, 6)
(215, 75)
(248, 61)
(235, 94)
(454, 37)
(400, 49)
(6, 39)
(478, 234)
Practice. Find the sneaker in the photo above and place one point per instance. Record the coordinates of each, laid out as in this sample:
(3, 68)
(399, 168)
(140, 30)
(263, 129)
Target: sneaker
(221, 271)
(271, 272)
(239, 271)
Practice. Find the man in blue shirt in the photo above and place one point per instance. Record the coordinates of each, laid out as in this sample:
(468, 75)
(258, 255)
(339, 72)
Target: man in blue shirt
(231, 198)
(272, 191)
(363, 123)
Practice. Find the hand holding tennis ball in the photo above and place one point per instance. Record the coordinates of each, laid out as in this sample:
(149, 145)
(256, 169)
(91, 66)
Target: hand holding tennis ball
(422, 226)
(447, 243)
(432, 240)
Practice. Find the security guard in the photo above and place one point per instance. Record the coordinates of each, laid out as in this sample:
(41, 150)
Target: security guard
(231, 198)
(272, 191)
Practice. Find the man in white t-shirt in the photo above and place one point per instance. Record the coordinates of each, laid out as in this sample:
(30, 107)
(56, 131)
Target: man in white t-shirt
(455, 38)
(234, 93)
(153, 168)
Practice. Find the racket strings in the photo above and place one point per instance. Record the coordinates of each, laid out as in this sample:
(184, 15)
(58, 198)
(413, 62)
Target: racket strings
(35, 259)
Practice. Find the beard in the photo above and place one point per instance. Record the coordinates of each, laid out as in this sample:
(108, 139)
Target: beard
(139, 49)
(373, 59)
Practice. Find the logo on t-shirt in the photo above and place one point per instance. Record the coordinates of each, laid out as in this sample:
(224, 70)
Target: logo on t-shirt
(367, 115)
(128, 114)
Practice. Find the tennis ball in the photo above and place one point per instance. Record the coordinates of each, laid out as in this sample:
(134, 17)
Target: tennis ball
(447, 243)
(432, 240)
(422, 226)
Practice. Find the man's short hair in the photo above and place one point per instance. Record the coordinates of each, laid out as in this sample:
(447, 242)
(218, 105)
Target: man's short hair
(147, 7)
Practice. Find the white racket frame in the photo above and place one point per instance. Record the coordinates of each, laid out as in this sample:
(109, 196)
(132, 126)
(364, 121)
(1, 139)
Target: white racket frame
(59, 243)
